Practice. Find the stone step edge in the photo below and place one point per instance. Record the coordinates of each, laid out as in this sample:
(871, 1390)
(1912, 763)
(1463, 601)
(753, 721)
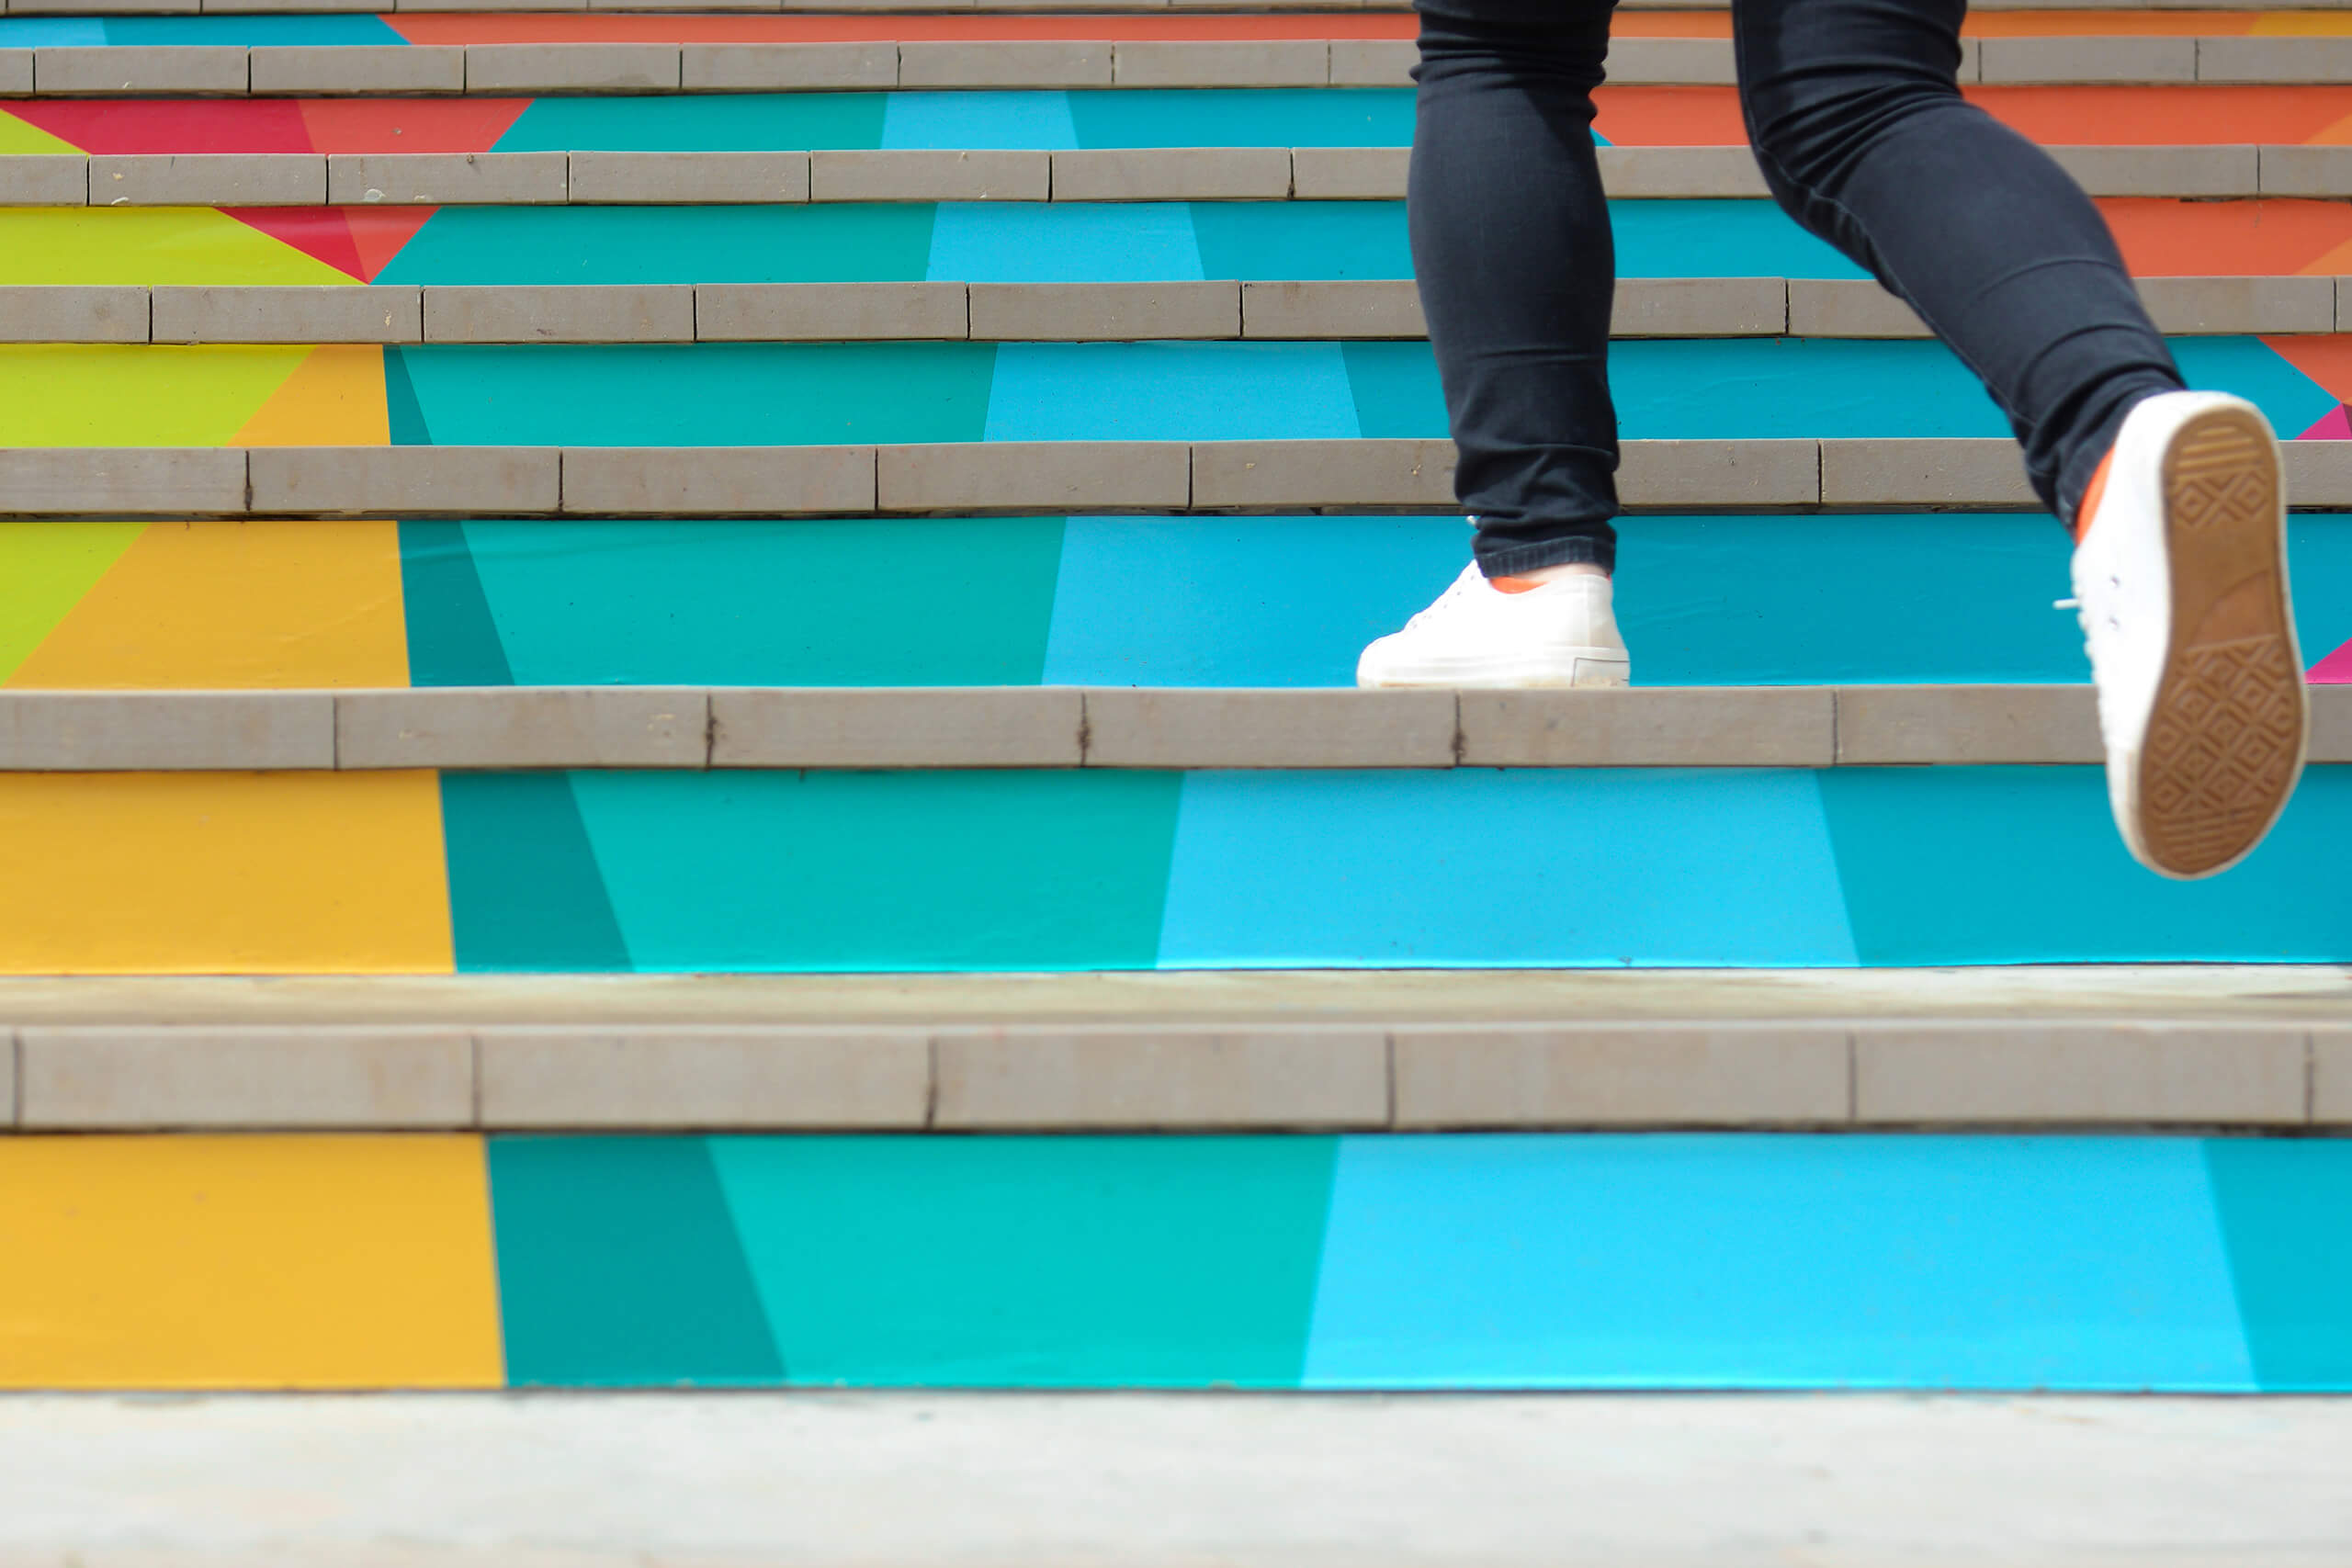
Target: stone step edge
(983, 478)
(642, 68)
(1883, 1074)
(695, 729)
(2236, 171)
(1217, 310)
(985, 7)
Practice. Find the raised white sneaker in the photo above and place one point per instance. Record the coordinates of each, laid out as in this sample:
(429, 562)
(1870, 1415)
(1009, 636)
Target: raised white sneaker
(2180, 582)
(1560, 633)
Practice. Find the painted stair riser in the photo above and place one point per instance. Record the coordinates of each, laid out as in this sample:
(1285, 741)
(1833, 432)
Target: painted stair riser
(1005, 242)
(1353, 1262)
(835, 395)
(1283, 601)
(1110, 869)
(2232, 121)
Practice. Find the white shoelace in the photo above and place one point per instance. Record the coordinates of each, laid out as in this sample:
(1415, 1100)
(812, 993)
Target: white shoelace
(1461, 587)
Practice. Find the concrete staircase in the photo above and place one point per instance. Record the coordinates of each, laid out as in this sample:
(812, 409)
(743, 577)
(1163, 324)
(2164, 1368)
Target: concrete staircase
(616, 618)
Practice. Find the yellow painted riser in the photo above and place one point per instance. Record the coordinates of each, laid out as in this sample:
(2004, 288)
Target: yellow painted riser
(247, 1262)
(263, 873)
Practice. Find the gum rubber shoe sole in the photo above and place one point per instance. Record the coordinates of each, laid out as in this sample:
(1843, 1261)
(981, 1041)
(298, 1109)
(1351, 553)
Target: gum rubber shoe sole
(2226, 734)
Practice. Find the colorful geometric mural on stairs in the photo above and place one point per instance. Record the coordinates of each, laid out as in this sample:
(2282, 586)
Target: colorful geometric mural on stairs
(2170, 1263)
(1106, 869)
(1050, 869)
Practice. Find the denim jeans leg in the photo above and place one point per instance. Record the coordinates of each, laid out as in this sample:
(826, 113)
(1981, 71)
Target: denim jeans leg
(1863, 136)
(1512, 250)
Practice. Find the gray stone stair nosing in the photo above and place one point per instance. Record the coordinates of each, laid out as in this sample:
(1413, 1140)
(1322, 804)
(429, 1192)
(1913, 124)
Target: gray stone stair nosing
(982, 478)
(635, 68)
(692, 728)
(2028, 1073)
(716, 178)
(1310, 311)
(1145, 8)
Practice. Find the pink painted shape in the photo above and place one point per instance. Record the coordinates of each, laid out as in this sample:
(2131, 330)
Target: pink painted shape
(2334, 425)
(2336, 670)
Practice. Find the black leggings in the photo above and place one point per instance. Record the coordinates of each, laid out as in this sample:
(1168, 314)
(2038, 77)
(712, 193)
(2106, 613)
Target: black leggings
(1857, 119)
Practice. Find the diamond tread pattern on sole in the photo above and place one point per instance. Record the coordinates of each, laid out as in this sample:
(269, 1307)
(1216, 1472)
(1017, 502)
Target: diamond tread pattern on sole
(2224, 741)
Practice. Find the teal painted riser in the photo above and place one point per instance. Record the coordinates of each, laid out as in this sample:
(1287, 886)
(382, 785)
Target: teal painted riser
(787, 394)
(1574, 1261)
(1103, 869)
(1034, 242)
(1237, 601)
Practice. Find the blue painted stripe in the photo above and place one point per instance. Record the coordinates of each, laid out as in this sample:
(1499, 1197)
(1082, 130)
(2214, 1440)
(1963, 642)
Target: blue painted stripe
(252, 31)
(1014, 242)
(1480, 867)
(53, 32)
(1239, 601)
(1245, 116)
(1685, 1261)
(978, 120)
(1146, 392)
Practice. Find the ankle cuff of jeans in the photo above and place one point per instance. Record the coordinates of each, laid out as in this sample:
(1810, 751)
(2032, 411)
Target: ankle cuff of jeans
(1511, 559)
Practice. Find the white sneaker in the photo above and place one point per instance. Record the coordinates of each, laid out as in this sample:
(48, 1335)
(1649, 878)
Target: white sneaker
(2180, 582)
(1560, 633)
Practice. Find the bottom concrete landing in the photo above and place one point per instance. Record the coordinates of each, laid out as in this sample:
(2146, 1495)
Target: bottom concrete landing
(735, 1480)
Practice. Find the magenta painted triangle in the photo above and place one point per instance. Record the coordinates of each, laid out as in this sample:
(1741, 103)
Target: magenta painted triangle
(2333, 426)
(2336, 670)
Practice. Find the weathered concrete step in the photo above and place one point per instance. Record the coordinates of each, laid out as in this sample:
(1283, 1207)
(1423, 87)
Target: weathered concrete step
(559, 1478)
(377, 69)
(888, 174)
(2221, 1046)
(494, 728)
(1033, 312)
(980, 478)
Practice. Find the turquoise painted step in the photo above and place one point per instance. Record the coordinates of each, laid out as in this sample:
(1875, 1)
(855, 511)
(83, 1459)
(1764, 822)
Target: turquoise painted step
(1280, 117)
(1042, 242)
(232, 31)
(761, 394)
(1237, 602)
(1105, 869)
(1460, 1262)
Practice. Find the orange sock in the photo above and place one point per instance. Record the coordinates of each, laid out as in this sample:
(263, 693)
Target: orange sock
(2091, 493)
(1512, 584)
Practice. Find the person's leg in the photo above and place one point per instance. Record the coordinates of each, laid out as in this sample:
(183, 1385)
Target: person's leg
(1512, 247)
(2173, 496)
(1857, 122)
(1512, 251)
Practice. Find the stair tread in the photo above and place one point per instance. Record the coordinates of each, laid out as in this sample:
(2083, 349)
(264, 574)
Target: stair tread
(2020, 995)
